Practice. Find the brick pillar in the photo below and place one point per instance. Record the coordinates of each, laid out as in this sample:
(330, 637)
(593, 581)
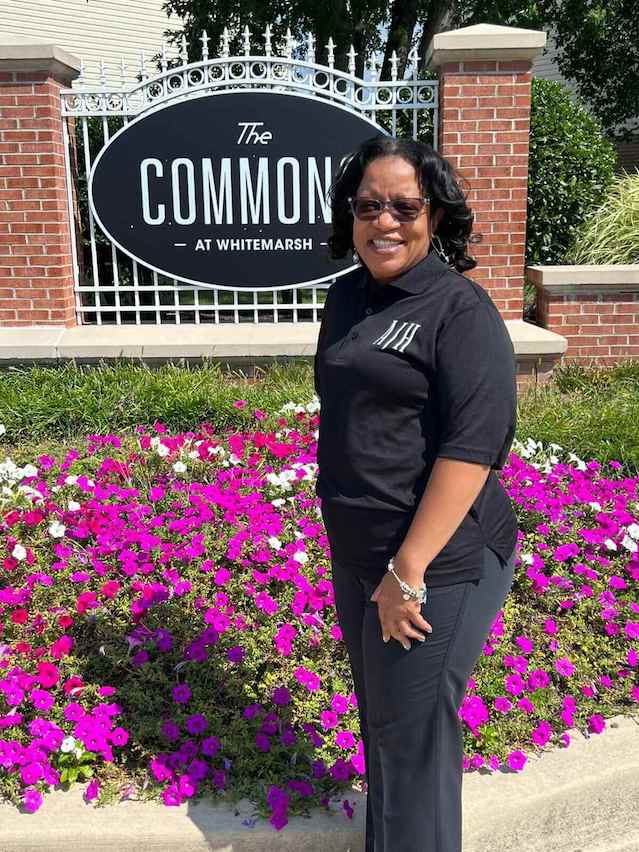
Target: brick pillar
(36, 259)
(484, 121)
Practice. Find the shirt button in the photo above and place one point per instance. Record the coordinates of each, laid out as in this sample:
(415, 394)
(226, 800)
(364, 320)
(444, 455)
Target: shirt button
(368, 311)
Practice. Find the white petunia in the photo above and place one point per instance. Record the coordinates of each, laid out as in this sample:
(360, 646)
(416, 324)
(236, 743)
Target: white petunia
(179, 467)
(29, 470)
(526, 558)
(162, 450)
(73, 506)
(194, 454)
(234, 459)
(595, 505)
(67, 745)
(300, 557)
(3, 429)
(610, 545)
(71, 479)
(275, 543)
(19, 552)
(299, 534)
(279, 501)
(633, 530)
(630, 544)
(56, 529)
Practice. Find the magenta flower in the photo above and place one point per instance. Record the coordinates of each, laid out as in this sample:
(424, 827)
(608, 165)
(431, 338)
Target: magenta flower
(502, 704)
(92, 790)
(345, 740)
(48, 674)
(516, 760)
(526, 644)
(32, 799)
(596, 723)
(564, 667)
(339, 703)
(631, 629)
(538, 679)
(514, 684)
(328, 719)
(262, 742)
(211, 746)
(542, 733)
(281, 696)
(181, 693)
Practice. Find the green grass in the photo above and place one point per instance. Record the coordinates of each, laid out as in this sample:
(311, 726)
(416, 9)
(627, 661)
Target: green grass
(594, 412)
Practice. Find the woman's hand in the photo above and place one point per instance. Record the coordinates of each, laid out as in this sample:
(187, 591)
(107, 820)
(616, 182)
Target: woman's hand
(398, 618)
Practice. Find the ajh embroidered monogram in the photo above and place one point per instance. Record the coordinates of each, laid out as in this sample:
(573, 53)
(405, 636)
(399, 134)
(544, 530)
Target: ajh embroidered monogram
(397, 337)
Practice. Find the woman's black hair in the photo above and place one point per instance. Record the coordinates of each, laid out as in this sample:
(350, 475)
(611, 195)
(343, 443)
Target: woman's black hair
(438, 180)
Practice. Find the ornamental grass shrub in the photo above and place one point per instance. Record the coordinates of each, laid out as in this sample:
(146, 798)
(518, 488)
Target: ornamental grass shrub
(571, 166)
(610, 234)
(169, 631)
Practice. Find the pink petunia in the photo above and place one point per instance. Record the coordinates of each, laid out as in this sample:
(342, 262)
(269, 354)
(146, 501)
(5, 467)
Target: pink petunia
(564, 667)
(516, 760)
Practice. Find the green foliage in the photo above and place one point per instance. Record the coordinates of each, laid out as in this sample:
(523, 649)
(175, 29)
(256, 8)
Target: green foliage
(611, 233)
(595, 44)
(590, 411)
(571, 166)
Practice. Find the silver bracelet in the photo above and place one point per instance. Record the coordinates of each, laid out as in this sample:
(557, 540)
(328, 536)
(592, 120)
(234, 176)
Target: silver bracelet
(419, 594)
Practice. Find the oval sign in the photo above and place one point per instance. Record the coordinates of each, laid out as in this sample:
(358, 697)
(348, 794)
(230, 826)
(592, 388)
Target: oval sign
(228, 189)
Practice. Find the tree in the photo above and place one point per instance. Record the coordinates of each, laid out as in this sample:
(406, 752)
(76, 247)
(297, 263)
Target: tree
(597, 45)
(597, 40)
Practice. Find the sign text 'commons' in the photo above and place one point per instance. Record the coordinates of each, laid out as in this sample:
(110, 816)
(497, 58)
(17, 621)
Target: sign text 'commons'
(228, 190)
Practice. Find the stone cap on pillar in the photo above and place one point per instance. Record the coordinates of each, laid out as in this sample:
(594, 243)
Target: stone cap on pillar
(485, 42)
(30, 56)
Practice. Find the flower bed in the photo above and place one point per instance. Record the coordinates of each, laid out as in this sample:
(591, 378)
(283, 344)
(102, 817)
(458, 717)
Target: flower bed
(168, 627)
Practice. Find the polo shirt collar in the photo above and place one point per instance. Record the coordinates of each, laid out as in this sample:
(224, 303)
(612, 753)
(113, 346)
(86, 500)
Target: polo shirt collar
(416, 279)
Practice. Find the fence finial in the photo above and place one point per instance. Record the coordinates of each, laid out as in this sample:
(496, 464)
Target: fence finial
(123, 71)
(204, 38)
(413, 56)
(330, 47)
(289, 44)
(80, 79)
(351, 60)
(393, 65)
(224, 51)
(143, 71)
(247, 41)
(164, 62)
(372, 69)
(310, 48)
(268, 47)
(184, 56)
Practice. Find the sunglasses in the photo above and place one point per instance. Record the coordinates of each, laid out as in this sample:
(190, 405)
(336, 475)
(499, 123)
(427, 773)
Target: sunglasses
(401, 209)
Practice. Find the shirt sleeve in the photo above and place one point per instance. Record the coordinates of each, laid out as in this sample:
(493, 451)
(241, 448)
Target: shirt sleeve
(476, 387)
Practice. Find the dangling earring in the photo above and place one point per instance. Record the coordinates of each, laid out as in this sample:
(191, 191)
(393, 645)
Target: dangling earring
(439, 249)
(355, 257)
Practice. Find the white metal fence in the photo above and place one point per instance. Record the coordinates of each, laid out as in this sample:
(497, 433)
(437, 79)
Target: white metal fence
(113, 288)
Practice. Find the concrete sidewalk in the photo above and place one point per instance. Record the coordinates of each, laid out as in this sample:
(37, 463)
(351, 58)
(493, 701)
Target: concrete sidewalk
(581, 799)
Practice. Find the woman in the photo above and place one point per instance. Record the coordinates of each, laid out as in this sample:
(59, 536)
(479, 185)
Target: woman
(416, 376)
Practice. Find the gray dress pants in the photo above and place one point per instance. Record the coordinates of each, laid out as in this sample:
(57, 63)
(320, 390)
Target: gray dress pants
(408, 702)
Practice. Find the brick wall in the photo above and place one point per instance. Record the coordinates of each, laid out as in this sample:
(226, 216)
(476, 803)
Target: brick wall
(36, 273)
(600, 328)
(484, 126)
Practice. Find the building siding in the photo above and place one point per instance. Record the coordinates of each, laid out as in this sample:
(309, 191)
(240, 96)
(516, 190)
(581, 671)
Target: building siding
(91, 30)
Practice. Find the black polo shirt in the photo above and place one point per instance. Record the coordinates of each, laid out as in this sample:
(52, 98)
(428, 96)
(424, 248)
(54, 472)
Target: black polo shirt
(410, 371)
